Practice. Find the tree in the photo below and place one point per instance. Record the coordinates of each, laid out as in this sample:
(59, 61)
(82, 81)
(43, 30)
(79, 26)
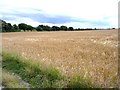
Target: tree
(39, 28)
(15, 28)
(70, 28)
(47, 28)
(3, 25)
(8, 27)
(113, 28)
(55, 28)
(43, 28)
(63, 28)
(22, 26)
(78, 29)
(29, 27)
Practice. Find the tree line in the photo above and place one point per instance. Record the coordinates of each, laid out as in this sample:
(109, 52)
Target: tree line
(8, 27)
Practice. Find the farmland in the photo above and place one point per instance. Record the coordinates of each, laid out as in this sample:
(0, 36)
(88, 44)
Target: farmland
(90, 54)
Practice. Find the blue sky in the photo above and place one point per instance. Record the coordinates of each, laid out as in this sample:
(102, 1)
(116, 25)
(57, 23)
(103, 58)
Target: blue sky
(76, 13)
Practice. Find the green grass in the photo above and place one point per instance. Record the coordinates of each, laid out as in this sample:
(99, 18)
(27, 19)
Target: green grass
(36, 74)
(29, 71)
(78, 82)
(12, 81)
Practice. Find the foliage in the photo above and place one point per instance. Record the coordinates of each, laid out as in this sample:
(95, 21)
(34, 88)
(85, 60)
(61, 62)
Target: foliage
(55, 28)
(24, 26)
(63, 28)
(29, 27)
(15, 28)
(39, 28)
(70, 28)
(7, 27)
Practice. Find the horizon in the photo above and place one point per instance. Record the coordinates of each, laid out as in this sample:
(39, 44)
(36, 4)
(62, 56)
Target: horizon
(87, 28)
(74, 13)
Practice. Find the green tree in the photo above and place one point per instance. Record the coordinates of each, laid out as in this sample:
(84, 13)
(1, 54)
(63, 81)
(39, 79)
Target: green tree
(22, 26)
(63, 28)
(55, 28)
(39, 28)
(15, 28)
(70, 28)
(29, 27)
(3, 25)
(47, 28)
(8, 27)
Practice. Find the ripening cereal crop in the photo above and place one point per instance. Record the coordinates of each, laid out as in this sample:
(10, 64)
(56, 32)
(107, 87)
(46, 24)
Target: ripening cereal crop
(90, 54)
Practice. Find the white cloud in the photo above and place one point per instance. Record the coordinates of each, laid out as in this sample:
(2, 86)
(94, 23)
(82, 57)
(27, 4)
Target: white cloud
(24, 20)
(93, 10)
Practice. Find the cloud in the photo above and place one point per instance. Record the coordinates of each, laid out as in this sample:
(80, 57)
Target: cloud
(43, 18)
(36, 19)
(87, 13)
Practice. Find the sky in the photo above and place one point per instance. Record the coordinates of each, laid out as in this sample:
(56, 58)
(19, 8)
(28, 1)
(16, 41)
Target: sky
(75, 13)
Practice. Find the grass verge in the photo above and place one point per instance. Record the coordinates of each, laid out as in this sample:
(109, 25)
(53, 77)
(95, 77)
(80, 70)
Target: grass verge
(35, 74)
(30, 72)
(12, 81)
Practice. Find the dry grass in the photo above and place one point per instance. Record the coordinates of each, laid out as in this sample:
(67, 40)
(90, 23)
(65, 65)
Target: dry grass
(10, 80)
(91, 54)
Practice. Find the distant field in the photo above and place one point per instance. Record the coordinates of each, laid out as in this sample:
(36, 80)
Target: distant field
(90, 54)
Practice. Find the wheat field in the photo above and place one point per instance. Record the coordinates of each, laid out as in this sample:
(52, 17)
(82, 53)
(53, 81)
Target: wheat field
(91, 54)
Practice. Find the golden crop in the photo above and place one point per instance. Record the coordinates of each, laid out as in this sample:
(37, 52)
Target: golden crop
(92, 54)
